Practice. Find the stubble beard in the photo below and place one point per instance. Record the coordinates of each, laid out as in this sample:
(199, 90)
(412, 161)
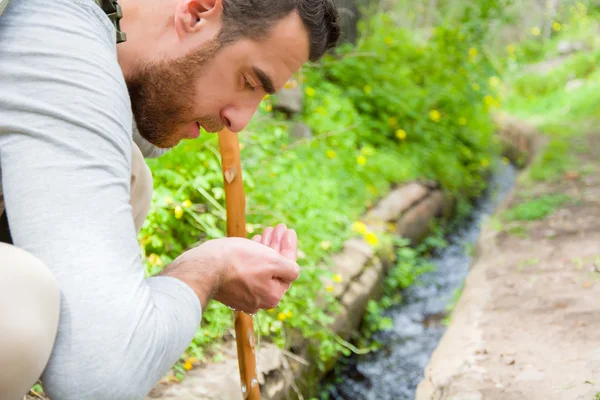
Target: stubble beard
(162, 94)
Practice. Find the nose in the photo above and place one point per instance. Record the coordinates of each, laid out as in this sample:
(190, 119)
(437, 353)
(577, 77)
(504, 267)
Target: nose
(236, 117)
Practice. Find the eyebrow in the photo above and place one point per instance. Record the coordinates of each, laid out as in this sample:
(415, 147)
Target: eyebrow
(265, 80)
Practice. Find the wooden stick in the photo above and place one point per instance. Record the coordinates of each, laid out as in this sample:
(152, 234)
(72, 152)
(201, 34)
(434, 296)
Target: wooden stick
(235, 202)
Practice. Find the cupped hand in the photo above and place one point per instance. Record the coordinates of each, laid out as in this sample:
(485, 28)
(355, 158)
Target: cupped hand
(258, 272)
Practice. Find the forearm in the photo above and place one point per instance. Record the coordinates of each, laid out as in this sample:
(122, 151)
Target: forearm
(198, 272)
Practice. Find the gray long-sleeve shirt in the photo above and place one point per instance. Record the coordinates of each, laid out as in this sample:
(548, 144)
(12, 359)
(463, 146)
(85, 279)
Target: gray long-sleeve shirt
(65, 154)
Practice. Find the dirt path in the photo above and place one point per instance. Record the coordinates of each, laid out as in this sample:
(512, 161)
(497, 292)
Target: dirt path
(528, 323)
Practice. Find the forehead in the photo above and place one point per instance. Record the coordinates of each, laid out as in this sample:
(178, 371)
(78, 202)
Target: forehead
(279, 55)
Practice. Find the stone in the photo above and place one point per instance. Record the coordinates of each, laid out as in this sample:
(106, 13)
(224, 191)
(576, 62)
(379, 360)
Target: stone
(348, 266)
(301, 131)
(397, 202)
(566, 47)
(289, 100)
(415, 223)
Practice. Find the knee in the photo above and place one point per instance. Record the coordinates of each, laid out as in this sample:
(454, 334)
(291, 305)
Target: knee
(29, 312)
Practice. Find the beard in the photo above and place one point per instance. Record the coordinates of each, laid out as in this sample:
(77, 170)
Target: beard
(162, 97)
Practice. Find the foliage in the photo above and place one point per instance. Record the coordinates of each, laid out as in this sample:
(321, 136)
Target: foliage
(536, 208)
(407, 110)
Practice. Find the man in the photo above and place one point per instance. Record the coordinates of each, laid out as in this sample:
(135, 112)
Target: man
(72, 177)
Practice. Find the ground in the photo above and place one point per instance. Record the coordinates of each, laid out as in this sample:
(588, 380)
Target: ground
(528, 323)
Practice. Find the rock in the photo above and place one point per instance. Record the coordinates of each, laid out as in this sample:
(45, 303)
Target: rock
(415, 224)
(301, 131)
(397, 202)
(566, 47)
(289, 100)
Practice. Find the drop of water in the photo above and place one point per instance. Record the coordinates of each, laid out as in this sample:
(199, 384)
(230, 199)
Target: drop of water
(245, 391)
(251, 339)
(253, 382)
(231, 308)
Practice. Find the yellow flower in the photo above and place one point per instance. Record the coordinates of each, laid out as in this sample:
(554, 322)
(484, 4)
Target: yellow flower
(489, 101)
(325, 244)
(485, 162)
(155, 259)
(401, 134)
(281, 316)
(289, 84)
(269, 108)
(178, 212)
(266, 96)
(372, 239)
(187, 365)
(388, 40)
(271, 310)
(249, 228)
(435, 115)
(510, 49)
(288, 314)
(367, 150)
(337, 278)
(473, 54)
(392, 121)
(169, 201)
(359, 227)
(321, 110)
(556, 26)
(462, 121)
(361, 160)
(535, 31)
(329, 288)
(367, 89)
(310, 92)
(494, 82)
(330, 154)
(186, 203)
(476, 87)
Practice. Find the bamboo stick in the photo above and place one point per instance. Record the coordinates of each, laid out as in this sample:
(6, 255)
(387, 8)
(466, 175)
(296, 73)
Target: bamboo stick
(236, 226)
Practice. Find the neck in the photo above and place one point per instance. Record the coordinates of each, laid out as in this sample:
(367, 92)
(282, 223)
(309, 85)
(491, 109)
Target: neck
(146, 25)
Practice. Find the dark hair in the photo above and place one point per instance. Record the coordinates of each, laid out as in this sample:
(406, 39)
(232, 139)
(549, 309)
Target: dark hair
(254, 19)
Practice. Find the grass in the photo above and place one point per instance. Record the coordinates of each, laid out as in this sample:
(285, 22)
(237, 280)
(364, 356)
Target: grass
(537, 208)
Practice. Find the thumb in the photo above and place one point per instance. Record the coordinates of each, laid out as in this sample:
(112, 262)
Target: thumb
(289, 245)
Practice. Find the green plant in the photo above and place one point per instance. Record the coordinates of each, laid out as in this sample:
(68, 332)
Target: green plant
(537, 208)
(402, 115)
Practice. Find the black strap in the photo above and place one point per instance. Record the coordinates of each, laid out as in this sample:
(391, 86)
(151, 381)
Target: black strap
(114, 12)
(4, 229)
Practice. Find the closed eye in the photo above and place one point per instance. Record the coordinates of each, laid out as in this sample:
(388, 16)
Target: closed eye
(248, 85)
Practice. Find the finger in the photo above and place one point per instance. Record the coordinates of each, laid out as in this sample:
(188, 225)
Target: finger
(257, 238)
(277, 236)
(286, 270)
(266, 236)
(289, 245)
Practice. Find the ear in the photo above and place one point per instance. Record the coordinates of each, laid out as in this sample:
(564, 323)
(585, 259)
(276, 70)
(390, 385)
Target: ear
(193, 15)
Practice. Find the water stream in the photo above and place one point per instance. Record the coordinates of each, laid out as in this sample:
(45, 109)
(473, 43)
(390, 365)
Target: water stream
(394, 372)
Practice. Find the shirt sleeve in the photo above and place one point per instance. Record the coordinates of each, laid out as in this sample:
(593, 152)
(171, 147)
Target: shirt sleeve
(65, 153)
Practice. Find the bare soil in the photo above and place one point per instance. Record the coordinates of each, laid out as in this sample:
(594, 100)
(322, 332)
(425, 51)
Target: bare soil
(528, 323)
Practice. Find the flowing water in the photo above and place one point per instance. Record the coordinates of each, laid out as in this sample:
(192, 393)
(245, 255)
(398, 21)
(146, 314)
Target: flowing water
(394, 372)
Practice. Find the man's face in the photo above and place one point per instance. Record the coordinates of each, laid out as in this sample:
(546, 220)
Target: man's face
(214, 87)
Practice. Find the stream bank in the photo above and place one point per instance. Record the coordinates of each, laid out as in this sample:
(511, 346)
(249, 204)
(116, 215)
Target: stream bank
(527, 325)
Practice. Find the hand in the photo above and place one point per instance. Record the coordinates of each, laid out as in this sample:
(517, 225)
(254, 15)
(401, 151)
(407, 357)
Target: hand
(259, 280)
(243, 274)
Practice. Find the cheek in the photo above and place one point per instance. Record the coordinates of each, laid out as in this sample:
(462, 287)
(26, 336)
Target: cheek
(213, 92)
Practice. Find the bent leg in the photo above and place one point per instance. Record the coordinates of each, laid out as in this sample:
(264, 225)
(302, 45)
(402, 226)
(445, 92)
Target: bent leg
(29, 310)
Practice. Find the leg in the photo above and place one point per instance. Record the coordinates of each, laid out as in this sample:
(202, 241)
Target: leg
(29, 310)
(141, 187)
